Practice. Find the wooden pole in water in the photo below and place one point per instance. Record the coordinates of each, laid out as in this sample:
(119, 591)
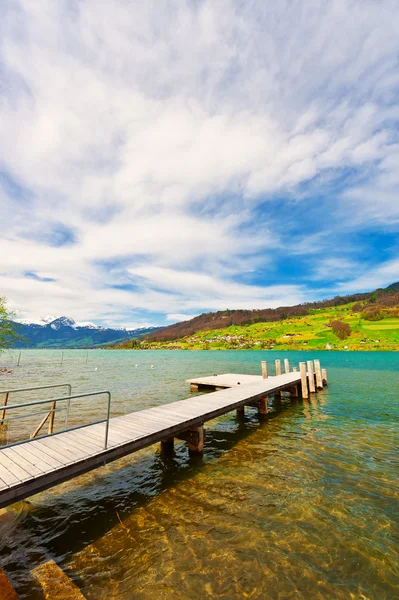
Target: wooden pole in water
(3, 412)
(51, 418)
(312, 388)
(198, 446)
(62, 358)
(324, 376)
(167, 445)
(19, 359)
(240, 412)
(87, 356)
(278, 367)
(304, 382)
(265, 374)
(295, 369)
(319, 380)
(263, 406)
(286, 365)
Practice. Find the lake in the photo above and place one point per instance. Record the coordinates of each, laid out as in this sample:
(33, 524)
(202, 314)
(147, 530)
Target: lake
(304, 504)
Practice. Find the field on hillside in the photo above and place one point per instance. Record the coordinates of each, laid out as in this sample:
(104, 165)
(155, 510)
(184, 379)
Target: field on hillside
(313, 331)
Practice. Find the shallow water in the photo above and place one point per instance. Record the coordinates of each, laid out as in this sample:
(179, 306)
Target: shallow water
(303, 504)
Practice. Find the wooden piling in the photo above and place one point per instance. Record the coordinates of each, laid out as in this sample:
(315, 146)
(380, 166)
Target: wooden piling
(278, 367)
(19, 359)
(51, 418)
(3, 412)
(197, 446)
(167, 445)
(294, 391)
(263, 406)
(295, 369)
(304, 382)
(319, 380)
(312, 387)
(324, 376)
(286, 365)
(265, 373)
(193, 387)
(240, 412)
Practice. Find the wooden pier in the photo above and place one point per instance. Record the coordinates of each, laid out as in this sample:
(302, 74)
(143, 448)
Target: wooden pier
(37, 464)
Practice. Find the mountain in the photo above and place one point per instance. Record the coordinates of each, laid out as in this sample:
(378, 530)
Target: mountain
(226, 318)
(64, 332)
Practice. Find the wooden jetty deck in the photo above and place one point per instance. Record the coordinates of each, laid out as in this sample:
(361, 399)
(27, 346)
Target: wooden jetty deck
(38, 464)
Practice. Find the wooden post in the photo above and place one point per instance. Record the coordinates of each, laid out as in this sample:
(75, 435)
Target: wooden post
(62, 358)
(167, 445)
(263, 406)
(286, 365)
(265, 374)
(19, 359)
(295, 369)
(304, 382)
(51, 418)
(3, 412)
(193, 387)
(278, 367)
(87, 356)
(240, 412)
(324, 376)
(312, 388)
(319, 380)
(197, 448)
(294, 391)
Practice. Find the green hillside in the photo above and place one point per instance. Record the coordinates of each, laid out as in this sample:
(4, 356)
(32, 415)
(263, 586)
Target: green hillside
(376, 329)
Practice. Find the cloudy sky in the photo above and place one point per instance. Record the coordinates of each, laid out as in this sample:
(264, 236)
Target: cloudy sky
(165, 158)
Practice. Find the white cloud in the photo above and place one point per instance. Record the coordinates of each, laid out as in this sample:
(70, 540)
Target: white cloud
(153, 132)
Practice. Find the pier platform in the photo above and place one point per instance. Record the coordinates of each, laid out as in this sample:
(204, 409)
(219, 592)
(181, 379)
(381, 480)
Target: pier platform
(35, 465)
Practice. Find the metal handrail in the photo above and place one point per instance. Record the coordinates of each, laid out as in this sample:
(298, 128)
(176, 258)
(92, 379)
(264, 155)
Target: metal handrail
(31, 389)
(53, 410)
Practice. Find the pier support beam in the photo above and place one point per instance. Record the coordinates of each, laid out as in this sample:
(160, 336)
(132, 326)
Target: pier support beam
(240, 412)
(278, 367)
(196, 444)
(304, 382)
(319, 380)
(312, 387)
(167, 445)
(193, 387)
(324, 376)
(294, 391)
(286, 365)
(263, 406)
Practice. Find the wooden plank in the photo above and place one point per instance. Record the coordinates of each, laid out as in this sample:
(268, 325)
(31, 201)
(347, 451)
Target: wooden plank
(52, 452)
(22, 461)
(14, 468)
(21, 455)
(44, 458)
(3, 484)
(8, 477)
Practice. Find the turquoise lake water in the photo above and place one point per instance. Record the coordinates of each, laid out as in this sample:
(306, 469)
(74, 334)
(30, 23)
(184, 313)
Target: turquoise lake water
(304, 504)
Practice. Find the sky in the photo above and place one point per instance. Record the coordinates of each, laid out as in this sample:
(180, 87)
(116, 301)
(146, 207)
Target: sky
(161, 159)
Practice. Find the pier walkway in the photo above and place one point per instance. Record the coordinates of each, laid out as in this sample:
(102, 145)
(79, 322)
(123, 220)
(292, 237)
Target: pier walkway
(32, 466)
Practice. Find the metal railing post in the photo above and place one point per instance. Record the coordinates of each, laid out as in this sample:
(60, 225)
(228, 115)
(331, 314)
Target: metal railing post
(107, 422)
(68, 406)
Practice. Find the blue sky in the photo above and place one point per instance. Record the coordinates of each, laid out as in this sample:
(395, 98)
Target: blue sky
(163, 159)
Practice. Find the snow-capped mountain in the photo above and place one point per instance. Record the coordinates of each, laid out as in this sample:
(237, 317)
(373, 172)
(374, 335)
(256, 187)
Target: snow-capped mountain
(65, 332)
